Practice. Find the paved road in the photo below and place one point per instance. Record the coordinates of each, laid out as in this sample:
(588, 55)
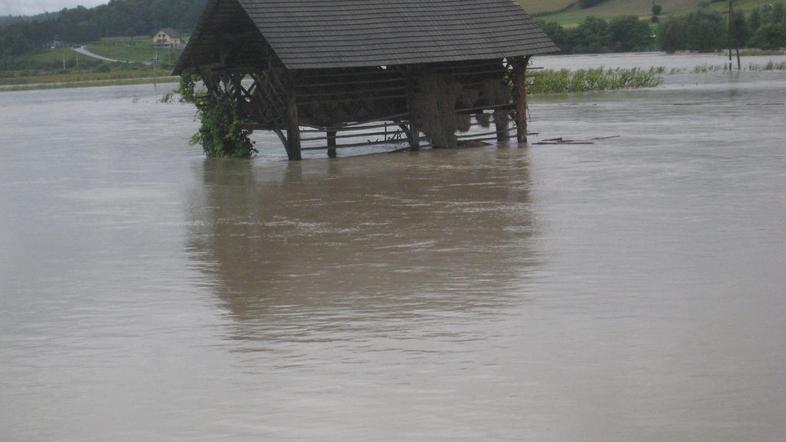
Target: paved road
(83, 50)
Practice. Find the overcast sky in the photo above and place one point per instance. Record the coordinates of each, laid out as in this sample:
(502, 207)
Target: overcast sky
(29, 7)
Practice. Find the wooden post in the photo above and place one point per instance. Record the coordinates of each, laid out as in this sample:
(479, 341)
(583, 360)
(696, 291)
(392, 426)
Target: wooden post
(520, 96)
(211, 80)
(739, 63)
(736, 37)
(331, 143)
(729, 32)
(413, 135)
(502, 127)
(293, 127)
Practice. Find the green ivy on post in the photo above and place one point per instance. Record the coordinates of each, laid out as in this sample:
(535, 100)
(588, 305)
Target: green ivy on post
(224, 132)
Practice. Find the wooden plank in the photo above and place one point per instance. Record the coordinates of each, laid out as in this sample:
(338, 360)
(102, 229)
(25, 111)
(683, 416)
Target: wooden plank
(353, 82)
(344, 100)
(366, 143)
(331, 143)
(473, 110)
(293, 128)
(520, 96)
(493, 132)
(350, 128)
(413, 132)
(355, 91)
(355, 135)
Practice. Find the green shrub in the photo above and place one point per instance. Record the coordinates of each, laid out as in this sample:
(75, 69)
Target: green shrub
(224, 132)
(769, 36)
(589, 3)
(600, 79)
(629, 34)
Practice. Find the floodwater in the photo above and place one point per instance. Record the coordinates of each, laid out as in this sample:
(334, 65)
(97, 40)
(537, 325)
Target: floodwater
(629, 290)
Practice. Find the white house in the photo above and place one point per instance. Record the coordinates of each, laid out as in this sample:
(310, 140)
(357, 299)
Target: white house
(167, 38)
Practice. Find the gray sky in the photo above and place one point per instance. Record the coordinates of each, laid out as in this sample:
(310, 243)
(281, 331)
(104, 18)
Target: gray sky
(29, 7)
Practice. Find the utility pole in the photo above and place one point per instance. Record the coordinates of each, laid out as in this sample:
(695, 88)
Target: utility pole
(736, 38)
(728, 34)
(733, 36)
(155, 66)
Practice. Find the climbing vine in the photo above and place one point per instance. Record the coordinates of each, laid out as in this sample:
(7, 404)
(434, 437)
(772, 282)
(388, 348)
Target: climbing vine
(224, 132)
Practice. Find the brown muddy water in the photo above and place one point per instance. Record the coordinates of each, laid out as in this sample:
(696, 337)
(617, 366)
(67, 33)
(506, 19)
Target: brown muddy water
(630, 290)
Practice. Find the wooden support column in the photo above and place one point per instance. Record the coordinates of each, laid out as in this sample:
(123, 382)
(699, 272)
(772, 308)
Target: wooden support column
(413, 134)
(502, 127)
(331, 143)
(293, 126)
(520, 96)
(210, 79)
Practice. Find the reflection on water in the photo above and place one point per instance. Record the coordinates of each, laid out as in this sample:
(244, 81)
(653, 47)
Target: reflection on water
(368, 238)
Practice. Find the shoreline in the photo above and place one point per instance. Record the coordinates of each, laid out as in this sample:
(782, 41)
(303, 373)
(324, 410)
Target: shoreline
(659, 64)
(87, 83)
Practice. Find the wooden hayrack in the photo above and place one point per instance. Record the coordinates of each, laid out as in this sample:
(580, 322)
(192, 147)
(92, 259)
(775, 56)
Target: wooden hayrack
(327, 87)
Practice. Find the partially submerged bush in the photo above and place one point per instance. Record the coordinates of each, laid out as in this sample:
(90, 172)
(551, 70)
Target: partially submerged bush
(584, 80)
(224, 132)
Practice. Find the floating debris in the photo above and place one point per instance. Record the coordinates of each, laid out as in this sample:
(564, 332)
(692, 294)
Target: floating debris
(560, 140)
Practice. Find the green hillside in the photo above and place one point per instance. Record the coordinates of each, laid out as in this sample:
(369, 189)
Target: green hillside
(545, 6)
(569, 12)
(62, 66)
(134, 49)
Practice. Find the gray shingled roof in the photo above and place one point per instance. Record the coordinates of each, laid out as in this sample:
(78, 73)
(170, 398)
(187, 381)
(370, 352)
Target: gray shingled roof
(308, 34)
(170, 32)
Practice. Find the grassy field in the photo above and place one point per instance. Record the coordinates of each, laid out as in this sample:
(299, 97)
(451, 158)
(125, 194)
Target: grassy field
(65, 68)
(134, 49)
(79, 76)
(570, 13)
(89, 83)
(53, 57)
(545, 6)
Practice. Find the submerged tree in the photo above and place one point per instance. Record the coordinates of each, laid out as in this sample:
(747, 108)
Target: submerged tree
(224, 132)
(589, 3)
(629, 34)
(671, 35)
(656, 10)
(739, 30)
(705, 31)
(592, 36)
(769, 36)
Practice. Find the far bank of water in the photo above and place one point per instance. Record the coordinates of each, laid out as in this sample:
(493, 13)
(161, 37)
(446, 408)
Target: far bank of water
(671, 63)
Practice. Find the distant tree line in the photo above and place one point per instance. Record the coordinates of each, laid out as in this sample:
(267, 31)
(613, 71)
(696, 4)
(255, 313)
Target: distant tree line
(589, 3)
(706, 30)
(115, 19)
(703, 30)
(6, 20)
(595, 35)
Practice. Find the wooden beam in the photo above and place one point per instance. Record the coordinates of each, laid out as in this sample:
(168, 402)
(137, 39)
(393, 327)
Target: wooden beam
(282, 138)
(293, 127)
(413, 134)
(501, 124)
(331, 143)
(520, 96)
